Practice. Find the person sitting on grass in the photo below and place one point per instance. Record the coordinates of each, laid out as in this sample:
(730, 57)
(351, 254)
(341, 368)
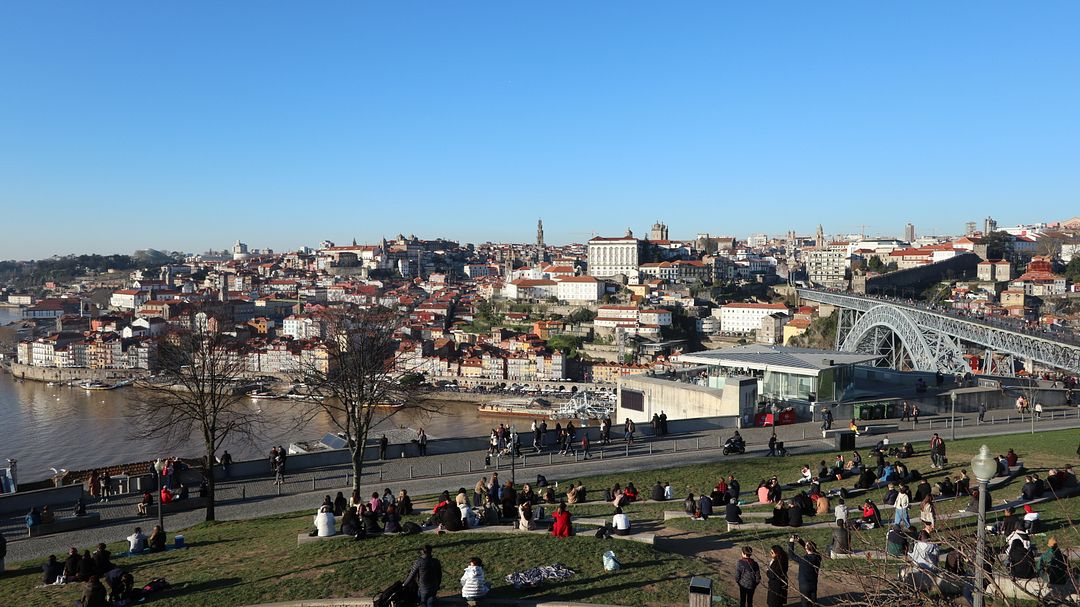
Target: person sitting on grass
(87, 569)
(733, 513)
(774, 490)
(866, 479)
(404, 503)
(324, 522)
(490, 514)
(925, 552)
(561, 527)
(841, 540)
(136, 541)
(525, 518)
(391, 519)
(369, 519)
(630, 492)
(94, 594)
(962, 485)
(891, 494)
(779, 515)
(350, 524)
(156, 541)
(576, 494)
(51, 570)
(620, 523)
(690, 503)
(705, 506)
(1031, 519)
(657, 493)
(473, 584)
(870, 514)
(922, 491)
(896, 543)
(763, 492)
(71, 565)
(805, 476)
(945, 488)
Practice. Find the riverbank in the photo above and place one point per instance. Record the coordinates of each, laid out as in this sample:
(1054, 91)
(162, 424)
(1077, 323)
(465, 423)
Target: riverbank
(70, 374)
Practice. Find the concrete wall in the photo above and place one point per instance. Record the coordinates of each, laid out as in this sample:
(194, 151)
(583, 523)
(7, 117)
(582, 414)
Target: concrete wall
(683, 401)
(23, 501)
(72, 374)
(963, 265)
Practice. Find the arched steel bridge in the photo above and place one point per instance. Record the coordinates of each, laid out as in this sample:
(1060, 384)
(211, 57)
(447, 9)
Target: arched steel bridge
(913, 337)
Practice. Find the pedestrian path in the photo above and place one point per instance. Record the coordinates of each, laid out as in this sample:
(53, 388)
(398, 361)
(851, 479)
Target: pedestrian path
(254, 497)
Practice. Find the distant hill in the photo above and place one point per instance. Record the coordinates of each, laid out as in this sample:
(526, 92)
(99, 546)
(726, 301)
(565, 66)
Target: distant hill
(153, 257)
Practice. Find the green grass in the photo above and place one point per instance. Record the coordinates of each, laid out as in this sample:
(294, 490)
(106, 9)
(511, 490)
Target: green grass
(258, 560)
(246, 562)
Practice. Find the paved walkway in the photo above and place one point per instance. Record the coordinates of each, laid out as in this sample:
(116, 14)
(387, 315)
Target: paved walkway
(255, 497)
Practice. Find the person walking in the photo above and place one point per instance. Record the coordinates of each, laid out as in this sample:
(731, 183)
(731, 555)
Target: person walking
(915, 414)
(747, 577)
(421, 441)
(427, 573)
(776, 574)
(585, 444)
(226, 462)
(982, 412)
(628, 431)
(383, 443)
(905, 412)
(809, 566)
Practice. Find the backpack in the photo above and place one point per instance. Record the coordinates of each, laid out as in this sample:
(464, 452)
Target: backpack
(410, 528)
(156, 585)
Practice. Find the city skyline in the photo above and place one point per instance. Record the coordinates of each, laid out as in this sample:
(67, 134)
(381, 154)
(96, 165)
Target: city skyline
(130, 127)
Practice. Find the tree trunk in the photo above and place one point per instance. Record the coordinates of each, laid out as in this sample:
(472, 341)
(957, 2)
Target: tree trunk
(357, 465)
(211, 483)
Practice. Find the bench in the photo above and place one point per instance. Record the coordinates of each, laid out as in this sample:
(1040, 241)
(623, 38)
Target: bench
(67, 523)
(191, 503)
(879, 429)
(644, 538)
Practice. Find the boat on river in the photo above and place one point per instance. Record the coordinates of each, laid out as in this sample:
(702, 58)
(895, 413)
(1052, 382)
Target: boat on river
(524, 407)
(97, 385)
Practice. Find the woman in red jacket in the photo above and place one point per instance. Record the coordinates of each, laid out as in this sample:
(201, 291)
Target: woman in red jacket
(562, 527)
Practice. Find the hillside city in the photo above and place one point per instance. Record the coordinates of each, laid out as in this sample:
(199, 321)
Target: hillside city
(507, 314)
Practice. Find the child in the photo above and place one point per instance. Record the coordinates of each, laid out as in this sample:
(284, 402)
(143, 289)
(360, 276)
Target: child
(473, 585)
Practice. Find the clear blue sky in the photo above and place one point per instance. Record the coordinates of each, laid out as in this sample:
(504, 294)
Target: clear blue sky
(186, 125)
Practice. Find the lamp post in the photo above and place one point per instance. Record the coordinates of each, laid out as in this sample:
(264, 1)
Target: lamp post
(158, 467)
(513, 454)
(984, 467)
(952, 415)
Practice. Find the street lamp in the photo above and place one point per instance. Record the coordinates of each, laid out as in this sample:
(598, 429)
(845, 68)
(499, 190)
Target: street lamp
(952, 415)
(984, 467)
(158, 467)
(513, 454)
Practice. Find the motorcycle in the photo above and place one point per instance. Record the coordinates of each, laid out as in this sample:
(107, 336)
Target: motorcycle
(733, 446)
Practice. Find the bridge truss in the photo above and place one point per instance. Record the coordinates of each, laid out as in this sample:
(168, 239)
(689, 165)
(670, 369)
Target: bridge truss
(912, 338)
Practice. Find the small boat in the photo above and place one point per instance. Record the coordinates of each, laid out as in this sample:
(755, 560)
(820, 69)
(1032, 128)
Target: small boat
(536, 407)
(96, 385)
(263, 395)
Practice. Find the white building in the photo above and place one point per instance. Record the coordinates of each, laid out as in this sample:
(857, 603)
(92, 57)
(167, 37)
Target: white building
(614, 256)
(579, 289)
(827, 267)
(746, 317)
(128, 299)
(526, 288)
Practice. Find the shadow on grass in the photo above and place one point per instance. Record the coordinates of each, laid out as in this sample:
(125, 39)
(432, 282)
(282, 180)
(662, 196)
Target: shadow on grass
(209, 585)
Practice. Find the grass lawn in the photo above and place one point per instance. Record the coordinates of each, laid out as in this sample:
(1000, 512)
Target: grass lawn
(244, 562)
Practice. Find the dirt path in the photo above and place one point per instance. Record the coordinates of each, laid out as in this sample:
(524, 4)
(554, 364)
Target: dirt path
(721, 555)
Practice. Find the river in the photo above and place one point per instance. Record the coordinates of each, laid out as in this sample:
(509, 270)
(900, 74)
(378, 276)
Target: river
(64, 427)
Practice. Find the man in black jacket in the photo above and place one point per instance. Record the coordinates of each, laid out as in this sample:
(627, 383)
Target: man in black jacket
(657, 494)
(732, 512)
(427, 573)
(809, 565)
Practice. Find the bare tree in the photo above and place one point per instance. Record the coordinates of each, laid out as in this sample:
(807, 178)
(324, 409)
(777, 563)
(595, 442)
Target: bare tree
(196, 393)
(359, 379)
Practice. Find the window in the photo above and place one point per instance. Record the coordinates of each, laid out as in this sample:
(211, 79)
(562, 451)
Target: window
(632, 399)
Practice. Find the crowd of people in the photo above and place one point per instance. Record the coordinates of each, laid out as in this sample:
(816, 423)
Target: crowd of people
(104, 583)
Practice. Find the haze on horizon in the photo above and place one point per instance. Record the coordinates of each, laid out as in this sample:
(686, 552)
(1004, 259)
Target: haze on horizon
(185, 127)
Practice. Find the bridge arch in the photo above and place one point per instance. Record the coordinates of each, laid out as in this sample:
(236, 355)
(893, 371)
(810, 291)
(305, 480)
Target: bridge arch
(887, 330)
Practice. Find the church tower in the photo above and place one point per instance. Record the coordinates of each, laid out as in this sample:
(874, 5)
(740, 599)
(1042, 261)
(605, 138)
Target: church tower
(820, 242)
(539, 254)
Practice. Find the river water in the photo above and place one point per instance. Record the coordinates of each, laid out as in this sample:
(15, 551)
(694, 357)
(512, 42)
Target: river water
(64, 427)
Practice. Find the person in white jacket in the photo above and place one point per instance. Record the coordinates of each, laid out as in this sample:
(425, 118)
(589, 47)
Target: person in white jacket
(473, 584)
(324, 522)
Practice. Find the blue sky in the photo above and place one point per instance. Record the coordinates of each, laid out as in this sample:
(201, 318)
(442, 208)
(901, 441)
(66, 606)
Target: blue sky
(189, 125)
